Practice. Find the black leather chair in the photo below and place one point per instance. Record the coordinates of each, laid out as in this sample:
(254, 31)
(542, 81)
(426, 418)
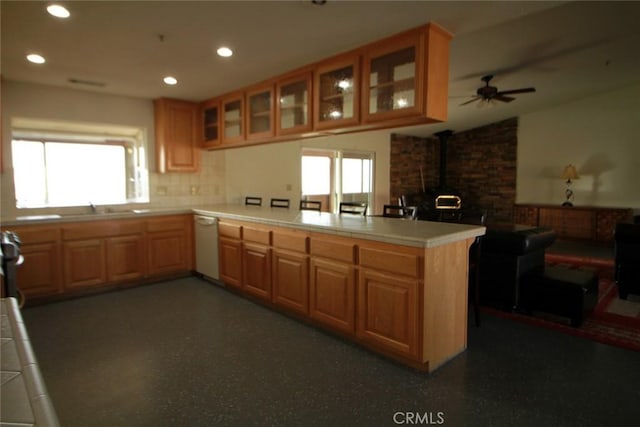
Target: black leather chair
(310, 205)
(279, 203)
(398, 211)
(509, 252)
(354, 208)
(627, 259)
(253, 200)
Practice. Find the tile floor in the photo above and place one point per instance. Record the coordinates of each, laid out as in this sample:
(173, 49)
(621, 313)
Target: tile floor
(189, 353)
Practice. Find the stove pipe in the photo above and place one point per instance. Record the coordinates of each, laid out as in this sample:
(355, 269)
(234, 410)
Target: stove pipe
(444, 137)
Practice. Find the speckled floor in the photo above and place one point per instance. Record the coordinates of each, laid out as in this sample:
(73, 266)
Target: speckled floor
(189, 353)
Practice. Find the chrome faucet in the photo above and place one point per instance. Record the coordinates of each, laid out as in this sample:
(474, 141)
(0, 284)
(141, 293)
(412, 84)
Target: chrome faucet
(93, 207)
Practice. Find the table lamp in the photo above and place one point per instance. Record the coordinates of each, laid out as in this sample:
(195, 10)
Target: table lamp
(569, 173)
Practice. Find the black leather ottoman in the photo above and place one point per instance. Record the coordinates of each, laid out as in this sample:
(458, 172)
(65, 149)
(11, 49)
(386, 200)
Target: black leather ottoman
(561, 291)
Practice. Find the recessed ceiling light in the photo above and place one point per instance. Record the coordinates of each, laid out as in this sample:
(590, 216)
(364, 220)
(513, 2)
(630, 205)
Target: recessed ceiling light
(224, 51)
(58, 11)
(170, 80)
(35, 58)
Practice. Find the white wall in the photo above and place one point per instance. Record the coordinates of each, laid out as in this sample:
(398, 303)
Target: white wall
(600, 135)
(270, 170)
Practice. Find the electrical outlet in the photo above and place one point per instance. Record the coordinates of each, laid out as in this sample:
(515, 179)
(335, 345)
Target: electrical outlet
(195, 190)
(161, 190)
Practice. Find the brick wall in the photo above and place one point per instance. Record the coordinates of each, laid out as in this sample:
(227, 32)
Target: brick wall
(481, 165)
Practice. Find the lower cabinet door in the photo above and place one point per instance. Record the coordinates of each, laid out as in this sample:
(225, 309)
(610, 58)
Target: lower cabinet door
(256, 271)
(290, 280)
(167, 252)
(84, 263)
(125, 258)
(388, 312)
(40, 273)
(230, 257)
(332, 293)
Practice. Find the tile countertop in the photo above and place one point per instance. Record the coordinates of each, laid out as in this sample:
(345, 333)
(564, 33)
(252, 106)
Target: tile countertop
(23, 395)
(390, 230)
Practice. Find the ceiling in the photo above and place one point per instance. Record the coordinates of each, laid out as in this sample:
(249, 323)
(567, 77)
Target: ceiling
(566, 50)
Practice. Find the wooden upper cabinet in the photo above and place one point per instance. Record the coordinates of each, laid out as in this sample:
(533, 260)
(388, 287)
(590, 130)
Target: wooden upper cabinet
(177, 142)
(407, 76)
(293, 106)
(210, 127)
(260, 112)
(232, 110)
(336, 96)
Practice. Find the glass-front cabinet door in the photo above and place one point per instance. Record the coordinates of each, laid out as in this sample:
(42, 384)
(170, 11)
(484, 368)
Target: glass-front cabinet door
(210, 115)
(393, 78)
(260, 112)
(337, 93)
(294, 104)
(232, 118)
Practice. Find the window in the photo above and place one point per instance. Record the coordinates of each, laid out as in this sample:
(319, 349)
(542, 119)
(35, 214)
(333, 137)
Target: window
(334, 176)
(56, 169)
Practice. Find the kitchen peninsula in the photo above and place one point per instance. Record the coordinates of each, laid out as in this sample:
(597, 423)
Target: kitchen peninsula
(398, 287)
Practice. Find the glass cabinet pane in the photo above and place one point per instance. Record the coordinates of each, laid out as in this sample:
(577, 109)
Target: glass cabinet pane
(392, 81)
(233, 119)
(211, 124)
(260, 113)
(337, 94)
(294, 104)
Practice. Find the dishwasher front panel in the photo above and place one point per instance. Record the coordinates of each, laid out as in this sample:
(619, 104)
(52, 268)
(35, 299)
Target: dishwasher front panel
(206, 233)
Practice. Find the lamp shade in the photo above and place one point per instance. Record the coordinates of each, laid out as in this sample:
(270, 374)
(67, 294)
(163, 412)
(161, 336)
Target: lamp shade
(570, 172)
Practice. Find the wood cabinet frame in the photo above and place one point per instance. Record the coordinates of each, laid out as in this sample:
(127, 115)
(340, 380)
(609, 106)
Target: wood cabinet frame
(270, 110)
(300, 76)
(226, 100)
(177, 142)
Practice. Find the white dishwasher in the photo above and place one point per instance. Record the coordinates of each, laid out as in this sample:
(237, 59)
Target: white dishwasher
(206, 232)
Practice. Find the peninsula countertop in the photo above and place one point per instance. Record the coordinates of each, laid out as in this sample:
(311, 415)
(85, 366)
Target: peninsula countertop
(391, 230)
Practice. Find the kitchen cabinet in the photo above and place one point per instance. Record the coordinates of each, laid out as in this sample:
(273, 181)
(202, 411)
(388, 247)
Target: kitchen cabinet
(126, 258)
(170, 244)
(210, 116)
(177, 142)
(332, 282)
(85, 263)
(406, 76)
(41, 272)
(293, 109)
(336, 93)
(256, 261)
(232, 118)
(388, 298)
(230, 253)
(291, 270)
(260, 112)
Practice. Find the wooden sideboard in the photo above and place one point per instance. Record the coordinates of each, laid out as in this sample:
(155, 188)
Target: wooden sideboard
(594, 224)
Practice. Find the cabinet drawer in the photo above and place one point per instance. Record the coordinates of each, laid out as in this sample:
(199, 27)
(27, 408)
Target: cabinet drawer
(229, 230)
(392, 261)
(29, 235)
(333, 250)
(97, 229)
(256, 235)
(292, 241)
(170, 223)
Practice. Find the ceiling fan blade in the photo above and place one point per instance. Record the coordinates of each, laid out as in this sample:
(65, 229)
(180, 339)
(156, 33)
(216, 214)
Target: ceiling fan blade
(503, 98)
(514, 91)
(471, 100)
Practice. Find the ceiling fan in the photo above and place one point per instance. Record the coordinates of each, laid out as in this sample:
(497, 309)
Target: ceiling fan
(489, 93)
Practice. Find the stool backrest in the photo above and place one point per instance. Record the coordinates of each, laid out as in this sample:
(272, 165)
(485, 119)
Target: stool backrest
(310, 205)
(354, 208)
(279, 203)
(253, 200)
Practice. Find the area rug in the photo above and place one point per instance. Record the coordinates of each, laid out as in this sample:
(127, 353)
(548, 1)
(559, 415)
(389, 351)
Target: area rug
(614, 321)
